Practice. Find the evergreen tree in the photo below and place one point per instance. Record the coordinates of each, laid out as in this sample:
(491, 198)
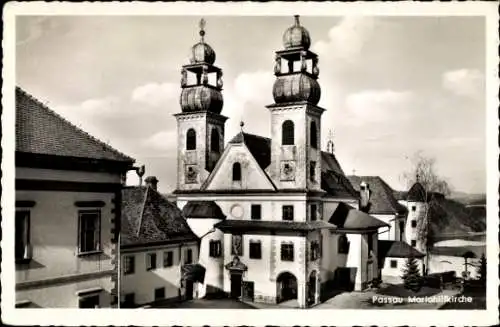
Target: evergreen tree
(411, 275)
(481, 270)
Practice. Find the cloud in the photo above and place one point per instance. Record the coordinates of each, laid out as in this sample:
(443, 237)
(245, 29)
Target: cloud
(378, 105)
(254, 86)
(346, 39)
(154, 94)
(464, 82)
(163, 140)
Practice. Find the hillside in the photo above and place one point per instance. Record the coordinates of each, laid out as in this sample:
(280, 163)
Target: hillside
(450, 217)
(468, 198)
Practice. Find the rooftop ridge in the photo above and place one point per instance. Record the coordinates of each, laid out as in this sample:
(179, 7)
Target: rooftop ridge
(73, 126)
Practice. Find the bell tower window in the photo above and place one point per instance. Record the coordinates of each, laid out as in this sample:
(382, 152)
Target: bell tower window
(214, 140)
(313, 138)
(236, 171)
(287, 133)
(191, 139)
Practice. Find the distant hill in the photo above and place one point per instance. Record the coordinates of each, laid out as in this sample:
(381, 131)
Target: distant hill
(450, 217)
(468, 198)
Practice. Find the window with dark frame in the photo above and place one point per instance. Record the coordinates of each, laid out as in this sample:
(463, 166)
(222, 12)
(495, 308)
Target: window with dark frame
(159, 293)
(22, 235)
(342, 244)
(287, 252)
(314, 212)
(312, 171)
(168, 259)
(89, 301)
(370, 244)
(313, 138)
(215, 248)
(129, 300)
(237, 244)
(413, 223)
(413, 243)
(255, 248)
(413, 208)
(150, 261)
(287, 213)
(188, 256)
(191, 139)
(236, 171)
(394, 263)
(287, 133)
(129, 265)
(89, 230)
(256, 211)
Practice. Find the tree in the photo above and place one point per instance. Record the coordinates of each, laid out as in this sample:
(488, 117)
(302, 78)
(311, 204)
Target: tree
(481, 270)
(424, 172)
(411, 275)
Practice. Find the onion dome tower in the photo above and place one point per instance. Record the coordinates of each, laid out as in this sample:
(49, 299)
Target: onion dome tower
(200, 125)
(295, 115)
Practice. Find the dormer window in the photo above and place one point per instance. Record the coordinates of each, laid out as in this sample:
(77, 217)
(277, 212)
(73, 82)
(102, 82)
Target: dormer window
(236, 171)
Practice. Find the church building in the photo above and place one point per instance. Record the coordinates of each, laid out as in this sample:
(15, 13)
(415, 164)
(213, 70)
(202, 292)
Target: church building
(277, 218)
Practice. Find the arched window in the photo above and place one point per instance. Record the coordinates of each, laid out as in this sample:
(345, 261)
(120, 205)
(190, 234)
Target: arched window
(191, 139)
(313, 137)
(236, 171)
(214, 140)
(287, 133)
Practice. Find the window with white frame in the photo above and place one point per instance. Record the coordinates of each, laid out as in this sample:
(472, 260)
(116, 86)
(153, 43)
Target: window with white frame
(89, 237)
(129, 265)
(168, 259)
(90, 301)
(150, 261)
(315, 250)
(188, 256)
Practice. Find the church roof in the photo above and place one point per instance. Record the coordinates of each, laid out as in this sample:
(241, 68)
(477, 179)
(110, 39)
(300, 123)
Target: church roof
(40, 130)
(232, 225)
(333, 180)
(382, 200)
(202, 209)
(349, 218)
(148, 218)
(259, 147)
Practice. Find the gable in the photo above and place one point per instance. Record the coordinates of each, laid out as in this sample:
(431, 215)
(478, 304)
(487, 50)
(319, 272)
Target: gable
(253, 176)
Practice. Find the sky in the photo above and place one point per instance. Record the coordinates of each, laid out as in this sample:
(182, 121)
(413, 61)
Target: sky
(391, 86)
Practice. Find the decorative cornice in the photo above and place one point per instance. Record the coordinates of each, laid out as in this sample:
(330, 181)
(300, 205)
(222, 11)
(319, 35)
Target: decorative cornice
(90, 204)
(63, 279)
(53, 185)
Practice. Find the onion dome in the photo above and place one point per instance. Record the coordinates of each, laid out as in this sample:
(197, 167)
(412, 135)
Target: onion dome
(296, 36)
(202, 52)
(201, 98)
(296, 87)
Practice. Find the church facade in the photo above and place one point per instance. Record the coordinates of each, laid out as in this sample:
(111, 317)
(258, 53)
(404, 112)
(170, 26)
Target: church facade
(277, 218)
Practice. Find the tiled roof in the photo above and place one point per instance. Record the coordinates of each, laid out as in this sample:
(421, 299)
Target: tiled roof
(346, 217)
(337, 185)
(149, 218)
(202, 209)
(396, 249)
(329, 163)
(270, 225)
(40, 130)
(259, 147)
(382, 199)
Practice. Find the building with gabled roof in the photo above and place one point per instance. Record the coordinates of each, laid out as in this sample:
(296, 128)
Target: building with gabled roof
(155, 242)
(277, 218)
(67, 217)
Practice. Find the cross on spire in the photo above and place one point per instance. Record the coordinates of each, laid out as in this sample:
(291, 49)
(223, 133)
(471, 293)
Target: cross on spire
(330, 147)
(202, 28)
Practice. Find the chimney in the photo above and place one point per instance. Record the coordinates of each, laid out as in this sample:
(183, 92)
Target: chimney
(364, 193)
(152, 181)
